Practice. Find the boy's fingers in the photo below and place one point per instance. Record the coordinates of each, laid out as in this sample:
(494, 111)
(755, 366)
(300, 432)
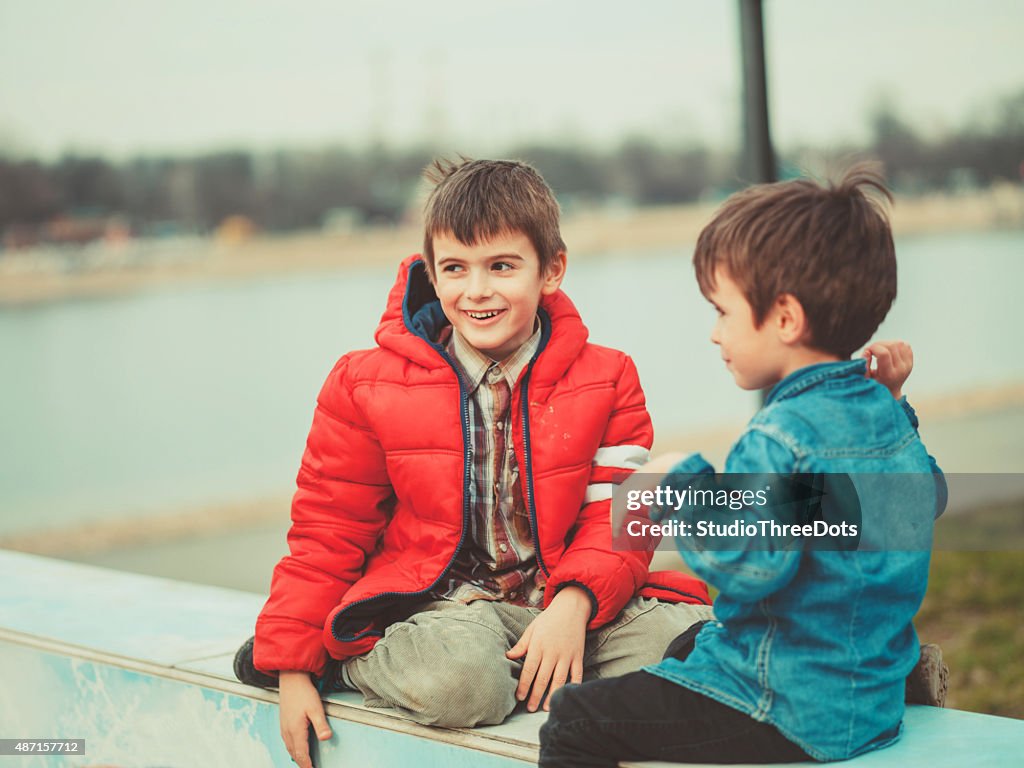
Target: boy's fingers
(286, 735)
(576, 670)
(885, 365)
(520, 648)
(295, 735)
(906, 356)
(320, 726)
(286, 738)
(881, 352)
(880, 348)
(526, 676)
(557, 681)
(540, 685)
(299, 749)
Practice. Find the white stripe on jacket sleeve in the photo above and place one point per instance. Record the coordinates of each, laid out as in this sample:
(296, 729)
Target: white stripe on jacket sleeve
(598, 492)
(622, 456)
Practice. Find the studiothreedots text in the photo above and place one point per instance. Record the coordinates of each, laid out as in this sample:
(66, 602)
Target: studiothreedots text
(738, 528)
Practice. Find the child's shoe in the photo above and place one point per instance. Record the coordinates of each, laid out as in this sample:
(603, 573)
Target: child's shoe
(247, 672)
(681, 647)
(335, 678)
(928, 681)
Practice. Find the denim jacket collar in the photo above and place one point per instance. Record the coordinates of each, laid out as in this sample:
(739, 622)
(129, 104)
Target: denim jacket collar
(804, 378)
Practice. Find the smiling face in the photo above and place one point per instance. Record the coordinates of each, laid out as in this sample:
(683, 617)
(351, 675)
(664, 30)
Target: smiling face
(490, 291)
(755, 356)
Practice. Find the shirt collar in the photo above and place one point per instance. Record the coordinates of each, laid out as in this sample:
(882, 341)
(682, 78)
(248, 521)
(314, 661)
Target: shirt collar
(811, 375)
(475, 364)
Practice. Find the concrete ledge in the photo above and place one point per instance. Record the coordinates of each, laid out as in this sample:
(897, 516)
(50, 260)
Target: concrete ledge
(140, 667)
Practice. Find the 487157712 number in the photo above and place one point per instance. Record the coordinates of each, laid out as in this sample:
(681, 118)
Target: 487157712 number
(42, 746)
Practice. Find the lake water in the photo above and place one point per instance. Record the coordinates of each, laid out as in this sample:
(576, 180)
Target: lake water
(201, 395)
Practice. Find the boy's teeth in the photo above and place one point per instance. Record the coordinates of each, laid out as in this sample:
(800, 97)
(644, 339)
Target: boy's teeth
(482, 315)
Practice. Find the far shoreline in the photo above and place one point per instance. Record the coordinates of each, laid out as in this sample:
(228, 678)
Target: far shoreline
(24, 282)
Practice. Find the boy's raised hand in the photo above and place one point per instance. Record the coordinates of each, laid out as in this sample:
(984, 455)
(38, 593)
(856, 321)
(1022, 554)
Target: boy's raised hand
(553, 646)
(300, 706)
(893, 362)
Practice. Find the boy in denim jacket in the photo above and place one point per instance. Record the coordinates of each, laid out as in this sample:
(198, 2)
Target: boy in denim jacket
(812, 644)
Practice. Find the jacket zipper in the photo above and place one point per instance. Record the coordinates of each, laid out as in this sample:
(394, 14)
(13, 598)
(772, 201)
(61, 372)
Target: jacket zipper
(524, 407)
(467, 468)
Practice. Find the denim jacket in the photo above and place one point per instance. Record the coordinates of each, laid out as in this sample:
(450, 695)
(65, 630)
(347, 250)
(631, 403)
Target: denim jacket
(817, 643)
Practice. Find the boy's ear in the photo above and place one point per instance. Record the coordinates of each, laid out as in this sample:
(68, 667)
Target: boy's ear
(554, 274)
(789, 319)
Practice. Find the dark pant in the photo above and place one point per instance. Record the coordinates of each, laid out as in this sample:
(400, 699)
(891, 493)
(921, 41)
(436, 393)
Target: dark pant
(643, 717)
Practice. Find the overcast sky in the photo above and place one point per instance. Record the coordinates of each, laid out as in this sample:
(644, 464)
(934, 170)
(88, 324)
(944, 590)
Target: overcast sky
(128, 76)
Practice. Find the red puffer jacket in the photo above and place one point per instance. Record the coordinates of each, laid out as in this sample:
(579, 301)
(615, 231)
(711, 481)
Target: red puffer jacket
(382, 506)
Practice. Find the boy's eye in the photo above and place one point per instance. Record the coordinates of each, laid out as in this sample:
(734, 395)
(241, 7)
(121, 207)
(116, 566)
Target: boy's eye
(501, 266)
(451, 268)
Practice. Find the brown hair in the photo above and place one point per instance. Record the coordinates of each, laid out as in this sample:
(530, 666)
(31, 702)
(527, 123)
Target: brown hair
(476, 200)
(828, 245)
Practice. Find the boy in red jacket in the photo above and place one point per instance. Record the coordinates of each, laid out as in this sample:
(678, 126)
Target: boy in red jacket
(450, 545)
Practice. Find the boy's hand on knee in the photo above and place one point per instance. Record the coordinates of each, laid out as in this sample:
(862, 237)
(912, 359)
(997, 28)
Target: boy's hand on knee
(300, 706)
(893, 362)
(553, 647)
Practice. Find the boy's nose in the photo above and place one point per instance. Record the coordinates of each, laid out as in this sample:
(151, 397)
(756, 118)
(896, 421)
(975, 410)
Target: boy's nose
(479, 286)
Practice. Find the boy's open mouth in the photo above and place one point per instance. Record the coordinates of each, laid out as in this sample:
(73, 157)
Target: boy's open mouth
(482, 316)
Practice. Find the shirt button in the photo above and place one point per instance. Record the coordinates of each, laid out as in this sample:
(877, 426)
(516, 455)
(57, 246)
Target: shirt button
(504, 548)
(513, 594)
(500, 425)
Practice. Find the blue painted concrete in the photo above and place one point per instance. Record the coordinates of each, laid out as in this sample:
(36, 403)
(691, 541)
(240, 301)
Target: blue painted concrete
(139, 617)
(141, 668)
(129, 718)
(115, 658)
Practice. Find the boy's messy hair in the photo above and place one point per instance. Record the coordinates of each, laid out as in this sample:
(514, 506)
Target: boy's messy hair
(828, 245)
(476, 200)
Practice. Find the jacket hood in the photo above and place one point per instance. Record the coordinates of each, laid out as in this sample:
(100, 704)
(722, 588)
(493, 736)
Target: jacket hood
(413, 320)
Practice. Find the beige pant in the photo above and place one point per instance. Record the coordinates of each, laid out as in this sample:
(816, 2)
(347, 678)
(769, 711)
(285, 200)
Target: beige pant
(445, 664)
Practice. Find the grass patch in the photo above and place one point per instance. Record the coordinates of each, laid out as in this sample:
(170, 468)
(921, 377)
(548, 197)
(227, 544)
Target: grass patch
(974, 609)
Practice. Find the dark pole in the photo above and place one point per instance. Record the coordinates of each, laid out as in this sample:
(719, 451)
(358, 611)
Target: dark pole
(759, 159)
(759, 165)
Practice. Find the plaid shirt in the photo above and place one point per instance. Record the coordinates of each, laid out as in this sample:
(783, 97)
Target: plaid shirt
(498, 561)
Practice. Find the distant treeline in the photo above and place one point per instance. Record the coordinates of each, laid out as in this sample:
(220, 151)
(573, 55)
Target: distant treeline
(292, 189)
